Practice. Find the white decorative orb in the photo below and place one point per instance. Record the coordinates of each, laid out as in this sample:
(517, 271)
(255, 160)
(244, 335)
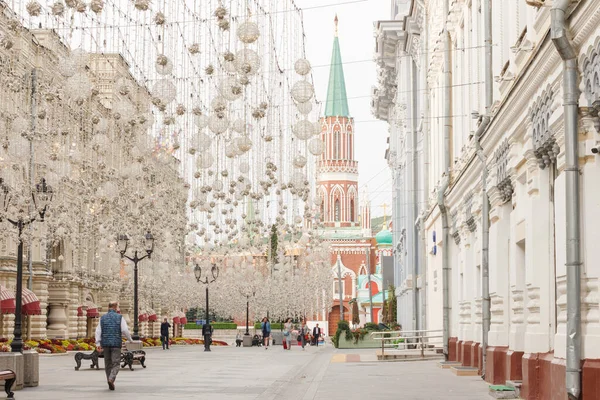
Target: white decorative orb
(248, 32)
(162, 67)
(302, 91)
(298, 219)
(244, 143)
(238, 125)
(304, 108)
(303, 129)
(67, 67)
(302, 66)
(80, 57)
(203, 141)
(244, 167)
(247, 62)
(316, 146)
(230, 88)
(79, 86)
(201, 121)
(205, 160)
(299, 161)
(164, 90)
(218, 124)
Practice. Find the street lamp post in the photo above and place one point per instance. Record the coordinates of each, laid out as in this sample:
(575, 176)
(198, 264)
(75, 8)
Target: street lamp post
(123, 244)
(42, 196)
(206, 281)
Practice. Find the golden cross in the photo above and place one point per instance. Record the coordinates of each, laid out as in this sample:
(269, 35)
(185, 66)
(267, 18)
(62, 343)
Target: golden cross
(384, 206)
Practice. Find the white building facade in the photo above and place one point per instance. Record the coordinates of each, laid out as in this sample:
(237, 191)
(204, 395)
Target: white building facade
(432, 90)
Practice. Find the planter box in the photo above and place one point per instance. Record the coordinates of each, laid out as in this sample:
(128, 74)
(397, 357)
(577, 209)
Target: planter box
(366, 343)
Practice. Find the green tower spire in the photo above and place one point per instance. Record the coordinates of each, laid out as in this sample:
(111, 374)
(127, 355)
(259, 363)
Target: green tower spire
(337, 101)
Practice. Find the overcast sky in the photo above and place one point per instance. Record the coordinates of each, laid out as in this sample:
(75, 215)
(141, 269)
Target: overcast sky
(357, 44)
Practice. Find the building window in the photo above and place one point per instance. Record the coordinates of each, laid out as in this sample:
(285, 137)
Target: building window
(336, 145)
(336, 288)
(337, 210)
(352, 210)
(322, 212)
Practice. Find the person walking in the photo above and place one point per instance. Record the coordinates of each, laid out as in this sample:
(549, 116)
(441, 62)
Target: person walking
(265, 326)
(109, 333)
(164, 333)
(303, 333)
(316, 335)
(287, 333)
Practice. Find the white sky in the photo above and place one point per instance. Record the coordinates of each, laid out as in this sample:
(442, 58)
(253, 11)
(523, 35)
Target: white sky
(357, 44)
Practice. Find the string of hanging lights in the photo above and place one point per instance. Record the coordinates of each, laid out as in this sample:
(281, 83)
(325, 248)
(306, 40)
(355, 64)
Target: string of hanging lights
(203, 133)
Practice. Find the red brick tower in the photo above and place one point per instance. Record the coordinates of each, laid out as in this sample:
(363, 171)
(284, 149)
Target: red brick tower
(337, 170)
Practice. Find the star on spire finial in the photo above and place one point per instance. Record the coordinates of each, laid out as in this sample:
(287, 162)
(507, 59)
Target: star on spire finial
(336, 20)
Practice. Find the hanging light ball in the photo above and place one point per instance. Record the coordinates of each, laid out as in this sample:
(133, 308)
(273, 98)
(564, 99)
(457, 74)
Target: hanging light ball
(79, 86)
(230, 88)
(97, 6)
(164, 90)
(164, 66)
(248, 32)
(316, 146)
(201, 121)
(218, 124)
(302, 66)
(303, 129)
(58, 9)
(304, 108)
(247, 62)
(244, 143)
(194, 48)
(203, 141)
(67, 67)
(244, 167)
(302, 91)
(159, 18)
(142, 5)
(205, 160)
(299, 161)
(34, 8)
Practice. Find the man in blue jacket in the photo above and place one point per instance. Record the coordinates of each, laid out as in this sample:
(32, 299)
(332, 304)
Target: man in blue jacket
(109, 333)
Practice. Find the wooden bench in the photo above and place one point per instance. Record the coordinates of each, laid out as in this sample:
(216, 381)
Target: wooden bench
(9, 378)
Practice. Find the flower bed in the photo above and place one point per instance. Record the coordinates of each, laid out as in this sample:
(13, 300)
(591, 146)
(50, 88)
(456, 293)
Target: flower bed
(57, 346)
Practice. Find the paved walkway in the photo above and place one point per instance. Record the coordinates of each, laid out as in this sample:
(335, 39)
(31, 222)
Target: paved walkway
(230, 373)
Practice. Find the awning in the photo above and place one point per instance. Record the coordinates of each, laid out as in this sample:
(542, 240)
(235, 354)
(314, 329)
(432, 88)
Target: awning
(80, 311)
(143, 317)
(92, 310)
(183, 320)
(7, 301)
(30, 303)
(176, 320)
(152, 317)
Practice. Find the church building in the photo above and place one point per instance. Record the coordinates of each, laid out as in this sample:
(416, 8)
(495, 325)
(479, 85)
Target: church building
(347, 224)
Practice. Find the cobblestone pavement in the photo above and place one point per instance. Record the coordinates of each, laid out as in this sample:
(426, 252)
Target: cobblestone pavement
(186, 372)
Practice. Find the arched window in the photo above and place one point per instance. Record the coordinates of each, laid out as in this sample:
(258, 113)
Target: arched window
(336, 145)
(352, 210)
(337, 210)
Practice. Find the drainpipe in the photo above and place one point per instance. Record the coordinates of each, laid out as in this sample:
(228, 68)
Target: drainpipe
(447, 98)
(571, 93)
(425, 162)
(485, 205)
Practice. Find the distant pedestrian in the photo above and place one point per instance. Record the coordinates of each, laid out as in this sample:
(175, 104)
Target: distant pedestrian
(316, 334)
(287, 333)
(265, 326)
(109, 333)
(303, 333)
(164, 333)
(238, 339)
